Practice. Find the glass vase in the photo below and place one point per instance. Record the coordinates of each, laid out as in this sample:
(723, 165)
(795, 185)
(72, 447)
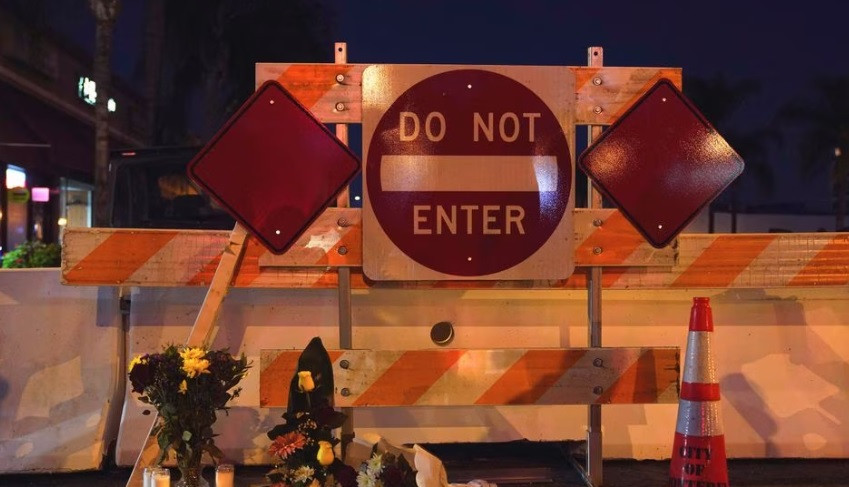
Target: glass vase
(190, 475)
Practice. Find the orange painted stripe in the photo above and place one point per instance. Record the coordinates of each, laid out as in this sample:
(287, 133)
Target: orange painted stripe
(829, 267)
(583, 75)
(118, 257)
(308, 83)
(275, 379)
(627, 240)
(409, 377)
(530, 377)
(723, 260)
(249, 269)
(204, 276)
(669, 74)
(638, 384)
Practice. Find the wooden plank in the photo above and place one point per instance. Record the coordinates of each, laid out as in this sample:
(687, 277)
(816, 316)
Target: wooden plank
(455, 377)
(333, 92)
(189, 258)
(200, 335)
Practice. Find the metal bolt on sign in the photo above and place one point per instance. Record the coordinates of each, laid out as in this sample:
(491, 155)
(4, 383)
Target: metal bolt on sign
(344, 364)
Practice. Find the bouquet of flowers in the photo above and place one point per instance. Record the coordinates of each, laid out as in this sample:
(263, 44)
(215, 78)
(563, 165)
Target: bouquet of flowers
(386, 470)
(303, 444)
(187, 385)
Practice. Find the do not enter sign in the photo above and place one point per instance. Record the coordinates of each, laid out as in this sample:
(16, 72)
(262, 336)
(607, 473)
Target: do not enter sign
(468, 172)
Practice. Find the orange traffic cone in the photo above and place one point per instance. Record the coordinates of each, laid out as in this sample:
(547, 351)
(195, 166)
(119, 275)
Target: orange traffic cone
(698, 453)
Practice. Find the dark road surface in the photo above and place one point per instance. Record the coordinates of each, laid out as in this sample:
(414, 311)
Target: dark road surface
(519, 465)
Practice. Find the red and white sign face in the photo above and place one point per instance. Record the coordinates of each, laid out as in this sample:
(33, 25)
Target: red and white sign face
(468, 173)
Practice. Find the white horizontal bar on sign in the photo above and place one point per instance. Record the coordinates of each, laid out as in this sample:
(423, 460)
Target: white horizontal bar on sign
(468, 173)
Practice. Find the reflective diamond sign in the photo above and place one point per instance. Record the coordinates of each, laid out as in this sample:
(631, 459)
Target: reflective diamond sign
(274, 167)
(661, 163)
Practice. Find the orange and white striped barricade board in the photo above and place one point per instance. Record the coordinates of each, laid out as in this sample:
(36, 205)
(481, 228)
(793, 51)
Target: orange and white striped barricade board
(176, 258)
(457, 377)
(333, 92)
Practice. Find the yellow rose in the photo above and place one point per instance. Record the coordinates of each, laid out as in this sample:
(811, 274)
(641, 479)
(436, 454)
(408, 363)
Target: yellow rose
(325, 453)
(194, 366)
(136, 360)
(183, 387)
(305, 383)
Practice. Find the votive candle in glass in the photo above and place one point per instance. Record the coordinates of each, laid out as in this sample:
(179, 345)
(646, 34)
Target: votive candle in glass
(224, 475)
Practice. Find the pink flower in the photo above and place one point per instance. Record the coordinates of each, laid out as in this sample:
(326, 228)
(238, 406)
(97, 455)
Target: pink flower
(285, 445)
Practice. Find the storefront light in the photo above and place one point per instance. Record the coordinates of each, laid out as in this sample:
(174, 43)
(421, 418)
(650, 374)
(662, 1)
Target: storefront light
(16, 177)
(62, 221)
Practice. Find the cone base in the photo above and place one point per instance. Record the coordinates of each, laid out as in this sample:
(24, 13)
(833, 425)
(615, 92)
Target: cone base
(698, 461)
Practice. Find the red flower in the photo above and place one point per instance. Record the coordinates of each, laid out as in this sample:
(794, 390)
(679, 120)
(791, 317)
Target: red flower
(285, 445)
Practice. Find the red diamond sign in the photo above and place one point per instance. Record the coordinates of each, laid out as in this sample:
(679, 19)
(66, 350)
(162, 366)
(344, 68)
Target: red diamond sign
(274, 167)
(661, 163)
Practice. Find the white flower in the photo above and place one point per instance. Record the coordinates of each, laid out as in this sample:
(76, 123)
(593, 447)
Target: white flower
(364, 479)
(374, 465)
(304, 473)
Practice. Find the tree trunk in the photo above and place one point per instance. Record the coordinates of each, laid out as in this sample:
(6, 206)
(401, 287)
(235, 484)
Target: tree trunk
(153, 39)
(105, 12)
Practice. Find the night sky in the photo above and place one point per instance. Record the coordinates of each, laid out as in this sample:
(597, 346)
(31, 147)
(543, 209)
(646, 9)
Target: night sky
(783, 45)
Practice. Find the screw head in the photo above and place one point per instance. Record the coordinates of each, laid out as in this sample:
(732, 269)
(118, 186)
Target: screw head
(344, 364)
(597, 109)
(343, 250)
(343, 222)
(597, 250)
(598, 362)
(340, 78)
(597, 390)
(597, 222)
(340, 107)
(345, 392)
(597, 81)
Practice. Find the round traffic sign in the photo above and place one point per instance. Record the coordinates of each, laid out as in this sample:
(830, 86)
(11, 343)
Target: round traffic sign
(468, 172)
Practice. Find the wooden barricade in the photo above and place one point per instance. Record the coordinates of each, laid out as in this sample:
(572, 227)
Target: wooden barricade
(503, 377)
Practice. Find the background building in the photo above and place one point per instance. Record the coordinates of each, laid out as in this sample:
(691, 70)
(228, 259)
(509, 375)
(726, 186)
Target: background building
(47, 130)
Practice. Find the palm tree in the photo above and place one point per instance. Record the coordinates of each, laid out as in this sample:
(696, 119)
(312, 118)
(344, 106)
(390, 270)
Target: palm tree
(719, 100)
(825, 137)
(105, 12)
(207, 69)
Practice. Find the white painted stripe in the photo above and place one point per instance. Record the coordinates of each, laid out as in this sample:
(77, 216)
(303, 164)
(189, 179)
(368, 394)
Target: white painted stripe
(698, 363)
(699, 418)
(468, 173)
(471, 376)
(364, 368)
(577, 383)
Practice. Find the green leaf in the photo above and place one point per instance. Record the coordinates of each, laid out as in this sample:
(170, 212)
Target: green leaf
(187, 436)
(213, 450)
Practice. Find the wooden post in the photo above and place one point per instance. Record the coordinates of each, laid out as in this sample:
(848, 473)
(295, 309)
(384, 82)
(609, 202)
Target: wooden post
(595, 58)
(201, 333)
(340, 50)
